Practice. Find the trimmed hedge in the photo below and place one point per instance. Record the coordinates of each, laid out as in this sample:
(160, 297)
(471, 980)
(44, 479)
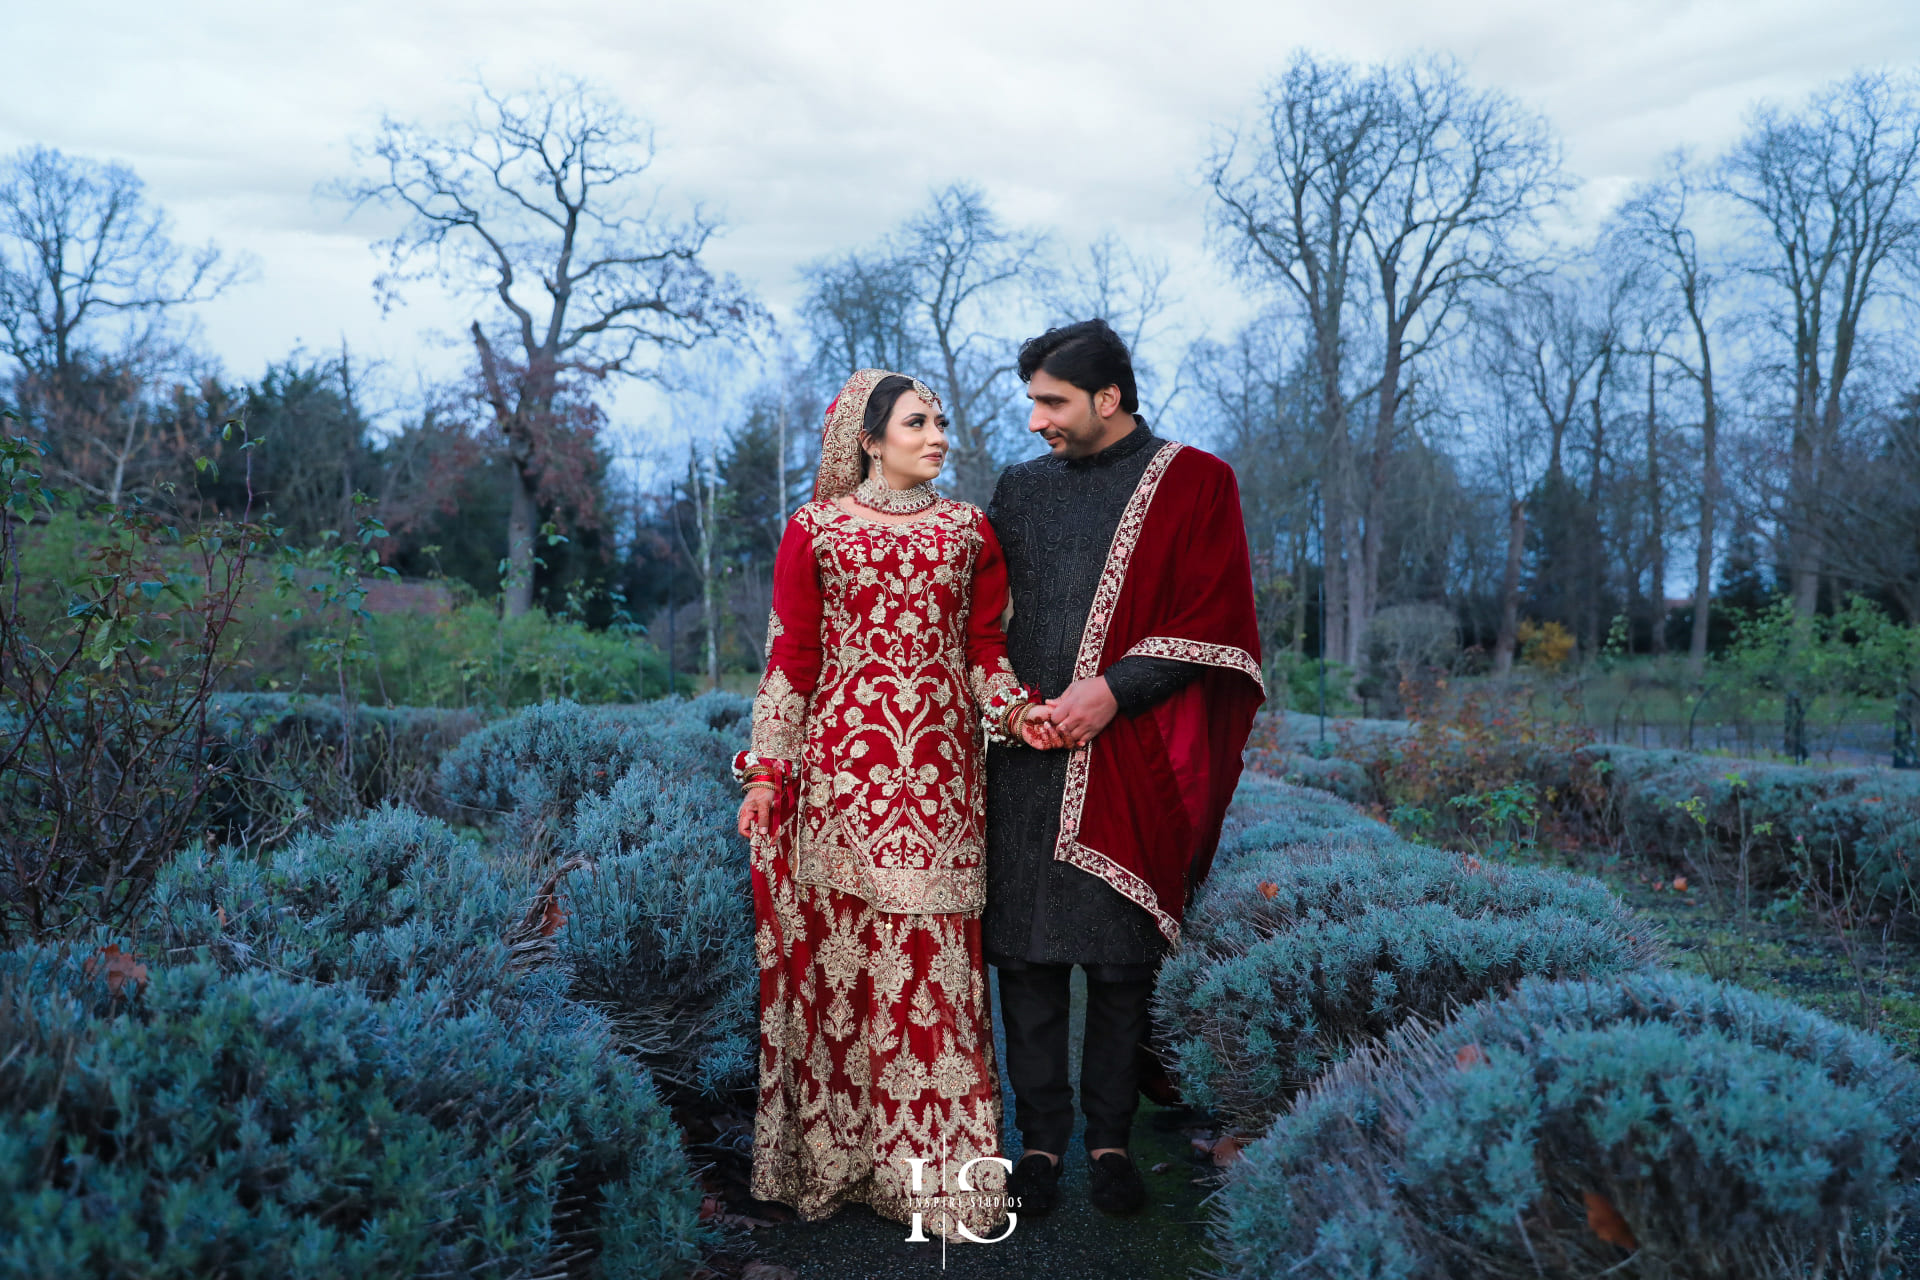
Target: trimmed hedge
(1789, 819)
(394, 901)
(529, 771)
(638, 806)
(1650, 1124)
(661, 931)
(1320, 930)
(252, 1125)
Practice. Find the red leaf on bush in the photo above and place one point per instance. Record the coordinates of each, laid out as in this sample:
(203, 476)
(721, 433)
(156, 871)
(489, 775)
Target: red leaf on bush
(1471, 1055)
(118, 966)
(1605, 1221)
(1268, 888)
(1227, 1149)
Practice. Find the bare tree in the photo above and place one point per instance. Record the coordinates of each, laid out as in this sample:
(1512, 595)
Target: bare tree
(1129, 289)
(964, 264)
(1291, 201)
(859, 310)
(1835, 194)
(1464, 173)
(538, 206)
(80, 245)
(1658, 221)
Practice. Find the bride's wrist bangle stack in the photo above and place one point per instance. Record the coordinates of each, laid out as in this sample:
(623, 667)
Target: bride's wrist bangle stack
(1006, 712)
(752, 772)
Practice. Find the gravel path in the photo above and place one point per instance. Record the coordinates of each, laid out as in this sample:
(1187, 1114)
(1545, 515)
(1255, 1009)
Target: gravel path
(1075, 1242)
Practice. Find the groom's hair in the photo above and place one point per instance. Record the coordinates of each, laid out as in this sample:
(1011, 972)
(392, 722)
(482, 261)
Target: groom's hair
(1089, 354)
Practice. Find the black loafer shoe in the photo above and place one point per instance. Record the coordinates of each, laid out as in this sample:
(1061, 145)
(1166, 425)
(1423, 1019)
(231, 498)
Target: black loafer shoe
(1117, 1187)
(1033, 1185)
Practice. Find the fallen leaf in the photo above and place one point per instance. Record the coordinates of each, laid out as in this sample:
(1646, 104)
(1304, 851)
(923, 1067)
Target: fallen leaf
(1470, 1055)
(119, 967)
(1680, 884)
(709, 1208)
(1268, 888)
(551, 919)
(1227, 1150)
(1162, 1167)
(1203, 1145)
(1605, 1221)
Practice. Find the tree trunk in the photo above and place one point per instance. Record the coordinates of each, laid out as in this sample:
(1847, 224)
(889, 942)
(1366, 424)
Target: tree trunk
(1388, 408)
(1656, 521)
(1509, 634)
(1334, 505)
(517, 591)
(1709, 496)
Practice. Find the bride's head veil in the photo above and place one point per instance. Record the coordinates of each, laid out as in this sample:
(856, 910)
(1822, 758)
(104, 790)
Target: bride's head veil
(839, 472)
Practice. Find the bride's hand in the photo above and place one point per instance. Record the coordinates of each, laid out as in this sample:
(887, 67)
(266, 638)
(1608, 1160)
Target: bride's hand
(756, 812)
(1037, 731)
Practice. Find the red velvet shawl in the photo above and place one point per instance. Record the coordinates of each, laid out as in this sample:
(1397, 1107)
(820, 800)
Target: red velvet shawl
(1145, 798)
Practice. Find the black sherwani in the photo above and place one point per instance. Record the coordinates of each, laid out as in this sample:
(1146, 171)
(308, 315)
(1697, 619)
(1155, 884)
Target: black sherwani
(1055, 518)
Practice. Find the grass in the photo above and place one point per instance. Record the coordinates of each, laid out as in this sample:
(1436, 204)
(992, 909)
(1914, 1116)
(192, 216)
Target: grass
(1867, 975)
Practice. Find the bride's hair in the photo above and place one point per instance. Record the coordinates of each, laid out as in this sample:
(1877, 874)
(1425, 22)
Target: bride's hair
(873, 426)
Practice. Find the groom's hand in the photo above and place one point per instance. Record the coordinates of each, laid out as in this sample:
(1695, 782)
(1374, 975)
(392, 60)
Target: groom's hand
(1087, 707)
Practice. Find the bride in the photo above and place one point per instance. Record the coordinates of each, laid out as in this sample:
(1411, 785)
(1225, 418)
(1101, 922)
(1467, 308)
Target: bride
(864, 805)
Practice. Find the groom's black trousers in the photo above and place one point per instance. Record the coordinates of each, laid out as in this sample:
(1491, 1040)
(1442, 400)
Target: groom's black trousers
(1034, 1000)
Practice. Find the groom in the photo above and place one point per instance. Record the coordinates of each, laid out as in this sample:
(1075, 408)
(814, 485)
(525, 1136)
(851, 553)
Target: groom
(1133, 613)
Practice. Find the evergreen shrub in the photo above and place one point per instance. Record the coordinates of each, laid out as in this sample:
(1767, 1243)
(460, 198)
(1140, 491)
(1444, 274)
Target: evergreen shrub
(1320, 930)
(639, 805)
(254, 1125)
(660, 931)
(394, 901)
(530, 770)
(1650, 1124)
(295, 760)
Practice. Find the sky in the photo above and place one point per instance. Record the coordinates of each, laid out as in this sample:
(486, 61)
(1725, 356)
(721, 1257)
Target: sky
(815, 127)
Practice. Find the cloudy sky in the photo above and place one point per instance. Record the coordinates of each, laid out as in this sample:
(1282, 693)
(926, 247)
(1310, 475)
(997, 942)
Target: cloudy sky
(816, 126)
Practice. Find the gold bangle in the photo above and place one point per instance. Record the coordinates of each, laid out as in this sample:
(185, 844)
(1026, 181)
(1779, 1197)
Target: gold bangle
(755, 784)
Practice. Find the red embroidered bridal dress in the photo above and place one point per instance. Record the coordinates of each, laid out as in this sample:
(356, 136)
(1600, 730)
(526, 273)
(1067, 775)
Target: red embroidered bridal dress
(876, 1041)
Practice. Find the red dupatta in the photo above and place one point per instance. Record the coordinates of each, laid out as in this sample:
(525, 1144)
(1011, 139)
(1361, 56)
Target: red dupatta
(1145, 798)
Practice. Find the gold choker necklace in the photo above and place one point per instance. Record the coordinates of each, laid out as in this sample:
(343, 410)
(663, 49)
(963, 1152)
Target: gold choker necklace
(875, 495)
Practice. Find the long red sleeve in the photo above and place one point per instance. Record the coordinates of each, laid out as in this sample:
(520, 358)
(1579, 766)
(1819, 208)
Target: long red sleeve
(793, 649)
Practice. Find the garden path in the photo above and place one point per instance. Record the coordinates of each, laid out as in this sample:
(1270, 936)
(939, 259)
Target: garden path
(1075, 1242)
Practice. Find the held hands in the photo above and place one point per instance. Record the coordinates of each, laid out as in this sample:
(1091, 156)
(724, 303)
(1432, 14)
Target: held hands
(1087, 707)
(1037, 730)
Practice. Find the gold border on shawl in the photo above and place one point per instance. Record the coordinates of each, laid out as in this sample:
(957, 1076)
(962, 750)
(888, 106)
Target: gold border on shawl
(1106, 596)
(1211, 655)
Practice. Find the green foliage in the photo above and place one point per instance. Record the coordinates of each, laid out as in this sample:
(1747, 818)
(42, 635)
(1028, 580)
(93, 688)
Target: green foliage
(104, 752)
(1727, 1135)
(1317, 933)
(1856, 652)
(394, 902)
(253, 1125)
(1301, 678)
(471, 657)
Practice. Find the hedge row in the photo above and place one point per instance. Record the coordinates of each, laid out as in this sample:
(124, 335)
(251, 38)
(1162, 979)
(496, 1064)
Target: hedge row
(1319, 930)
(639, 804)
(1652, 1124)
(1788, 822)
(343, 1055)
(1586, 1113)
